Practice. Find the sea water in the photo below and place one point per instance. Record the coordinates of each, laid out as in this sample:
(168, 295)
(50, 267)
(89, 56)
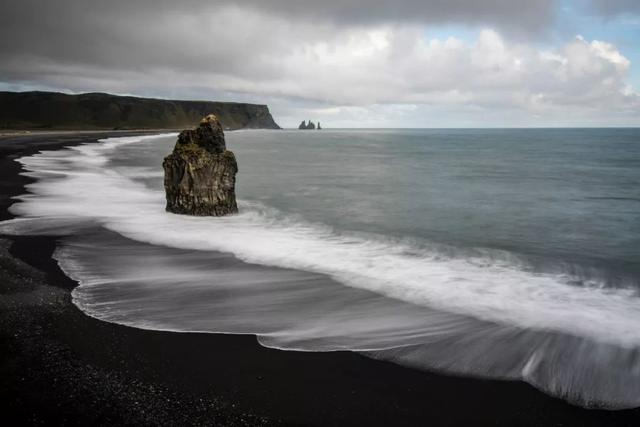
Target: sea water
(503, 253)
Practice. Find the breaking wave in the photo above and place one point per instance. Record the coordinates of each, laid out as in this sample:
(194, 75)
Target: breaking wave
(308, 286)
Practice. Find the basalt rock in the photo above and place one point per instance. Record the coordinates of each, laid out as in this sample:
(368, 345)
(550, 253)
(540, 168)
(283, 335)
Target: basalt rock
(200, 173)
(307, 126)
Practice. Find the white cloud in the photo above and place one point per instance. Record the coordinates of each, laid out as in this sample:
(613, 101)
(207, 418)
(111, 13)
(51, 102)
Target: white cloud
(398, 65)
(340, 73)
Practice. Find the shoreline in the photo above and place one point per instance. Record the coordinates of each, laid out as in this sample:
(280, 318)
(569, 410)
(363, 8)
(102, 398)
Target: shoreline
(66, 367)
(16, 133)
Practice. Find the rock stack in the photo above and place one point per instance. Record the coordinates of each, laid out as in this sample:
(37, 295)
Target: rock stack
(307, 126)
(200, 173)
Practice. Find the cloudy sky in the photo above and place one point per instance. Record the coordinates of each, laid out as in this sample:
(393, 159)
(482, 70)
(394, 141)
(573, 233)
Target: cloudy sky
(347, 63)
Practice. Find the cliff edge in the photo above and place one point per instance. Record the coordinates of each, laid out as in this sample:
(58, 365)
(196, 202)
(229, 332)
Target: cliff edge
(103, 111)
(200, 173)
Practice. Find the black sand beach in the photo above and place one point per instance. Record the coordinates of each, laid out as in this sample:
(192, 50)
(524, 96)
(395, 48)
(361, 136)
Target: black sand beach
(61, 367)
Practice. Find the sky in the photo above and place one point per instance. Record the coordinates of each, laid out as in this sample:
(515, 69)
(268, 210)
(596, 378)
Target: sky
(345, 63)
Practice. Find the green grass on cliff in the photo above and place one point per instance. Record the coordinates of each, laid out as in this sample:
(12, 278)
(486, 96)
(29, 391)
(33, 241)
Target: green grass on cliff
(89, 111)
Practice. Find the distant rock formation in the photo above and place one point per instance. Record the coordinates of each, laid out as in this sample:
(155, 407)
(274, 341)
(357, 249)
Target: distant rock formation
(200, 173)
(319, 128)
(307, 126)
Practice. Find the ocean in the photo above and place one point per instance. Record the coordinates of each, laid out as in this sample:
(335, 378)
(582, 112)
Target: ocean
(496, 253)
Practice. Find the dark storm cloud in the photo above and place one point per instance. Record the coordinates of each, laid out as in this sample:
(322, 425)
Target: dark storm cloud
(524, 14)
(56, 37)
(521, 14)
(134, 34)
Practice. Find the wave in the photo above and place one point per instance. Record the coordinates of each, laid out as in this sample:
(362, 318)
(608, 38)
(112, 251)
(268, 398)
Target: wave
(480, 312)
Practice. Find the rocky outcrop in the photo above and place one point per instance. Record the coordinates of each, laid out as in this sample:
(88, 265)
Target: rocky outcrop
(200, 173)
(307, 126)
(88, 111)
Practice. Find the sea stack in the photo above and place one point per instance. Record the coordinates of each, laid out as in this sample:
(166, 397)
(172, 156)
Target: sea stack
(200, 173)
(306, 126)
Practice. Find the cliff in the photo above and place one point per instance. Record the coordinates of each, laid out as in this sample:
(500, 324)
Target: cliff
(200, 173)
(89, 111)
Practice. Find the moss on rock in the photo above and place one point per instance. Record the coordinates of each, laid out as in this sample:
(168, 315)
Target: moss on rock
(200, 173)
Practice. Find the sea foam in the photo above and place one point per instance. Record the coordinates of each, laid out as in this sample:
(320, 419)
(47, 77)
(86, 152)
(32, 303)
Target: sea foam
(483, 315)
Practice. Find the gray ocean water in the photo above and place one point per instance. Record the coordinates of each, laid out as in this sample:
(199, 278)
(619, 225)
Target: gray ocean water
(508, 254)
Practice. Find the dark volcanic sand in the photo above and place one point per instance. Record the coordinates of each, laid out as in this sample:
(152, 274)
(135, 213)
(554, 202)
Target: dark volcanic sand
(58, 366)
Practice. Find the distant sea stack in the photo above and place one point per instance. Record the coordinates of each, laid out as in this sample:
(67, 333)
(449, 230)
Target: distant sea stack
(102, 111)
(308, 126)
(200, 173)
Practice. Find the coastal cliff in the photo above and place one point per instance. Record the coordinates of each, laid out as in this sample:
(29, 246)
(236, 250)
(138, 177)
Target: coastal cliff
(100, 111)
(200, 173)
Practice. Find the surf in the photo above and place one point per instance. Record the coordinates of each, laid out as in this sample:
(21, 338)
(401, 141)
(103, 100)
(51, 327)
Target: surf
(483, 298)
